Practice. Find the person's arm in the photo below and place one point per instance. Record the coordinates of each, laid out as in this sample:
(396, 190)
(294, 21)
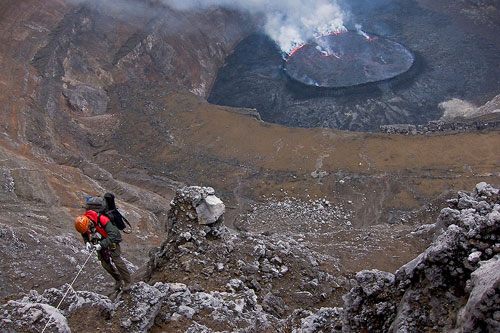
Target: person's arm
(86, 241)
(85, 237)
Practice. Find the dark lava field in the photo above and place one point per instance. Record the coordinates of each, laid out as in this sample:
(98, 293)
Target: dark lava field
(451, 61)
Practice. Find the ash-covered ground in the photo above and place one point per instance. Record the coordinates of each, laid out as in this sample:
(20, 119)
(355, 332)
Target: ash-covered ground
(452, 61)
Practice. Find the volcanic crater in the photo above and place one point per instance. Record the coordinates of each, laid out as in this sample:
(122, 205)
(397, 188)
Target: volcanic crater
(346, 59)
(364, 84)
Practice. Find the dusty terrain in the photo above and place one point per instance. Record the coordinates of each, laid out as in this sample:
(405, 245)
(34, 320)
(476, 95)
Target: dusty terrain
(94, 101)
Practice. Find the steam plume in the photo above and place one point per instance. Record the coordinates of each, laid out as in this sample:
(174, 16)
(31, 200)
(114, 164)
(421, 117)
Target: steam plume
(289, 22)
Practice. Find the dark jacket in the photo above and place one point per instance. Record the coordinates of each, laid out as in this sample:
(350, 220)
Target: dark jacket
(109, 234)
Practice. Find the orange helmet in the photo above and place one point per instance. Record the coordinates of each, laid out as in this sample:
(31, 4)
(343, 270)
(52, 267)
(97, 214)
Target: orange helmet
(82, 224)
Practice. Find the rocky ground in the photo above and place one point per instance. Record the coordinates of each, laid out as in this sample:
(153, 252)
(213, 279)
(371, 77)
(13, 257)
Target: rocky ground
(249, 282)
(455, 125)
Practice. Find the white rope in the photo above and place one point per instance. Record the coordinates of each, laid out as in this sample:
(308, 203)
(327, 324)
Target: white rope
(70, 287)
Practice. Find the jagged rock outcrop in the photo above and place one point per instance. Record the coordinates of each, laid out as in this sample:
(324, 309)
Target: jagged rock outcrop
(34, 312)
(169, 306)
(406, 129)
(216, 258)
(221, 281)
(452, 286)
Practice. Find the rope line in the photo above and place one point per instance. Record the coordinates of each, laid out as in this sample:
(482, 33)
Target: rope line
(70, 287)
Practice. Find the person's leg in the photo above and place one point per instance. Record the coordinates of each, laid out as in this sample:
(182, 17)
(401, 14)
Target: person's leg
(106, 264)
(121, 267)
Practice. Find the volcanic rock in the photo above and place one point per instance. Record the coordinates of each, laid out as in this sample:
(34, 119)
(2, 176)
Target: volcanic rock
(156, 134)
(209, 210)
(88, 100)
(215, 257)
(32, 312)
(274, 305)
(490, 121)
(439, 290)
(413, 298)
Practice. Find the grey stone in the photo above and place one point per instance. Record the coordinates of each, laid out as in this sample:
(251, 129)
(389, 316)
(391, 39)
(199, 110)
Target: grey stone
(412, 299)
(250, 269)
(235, 284)
(186, 311)
(210, 210)
(474, 257)
(274, 305)
(88, 100)
(484, 281)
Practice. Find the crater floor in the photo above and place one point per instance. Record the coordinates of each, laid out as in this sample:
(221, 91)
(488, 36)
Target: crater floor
(452, 61)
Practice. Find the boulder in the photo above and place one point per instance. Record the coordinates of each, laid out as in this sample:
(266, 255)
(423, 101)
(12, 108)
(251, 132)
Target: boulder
(209, 210)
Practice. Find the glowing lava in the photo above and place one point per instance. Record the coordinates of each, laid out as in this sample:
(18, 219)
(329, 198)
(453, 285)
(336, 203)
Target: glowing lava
(346, 58)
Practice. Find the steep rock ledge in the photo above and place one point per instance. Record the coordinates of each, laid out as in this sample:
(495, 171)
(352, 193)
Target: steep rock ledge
(452, 286)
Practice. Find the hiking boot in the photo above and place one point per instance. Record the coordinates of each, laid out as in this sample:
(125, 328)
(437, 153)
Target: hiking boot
(126, 286)
(118, 284)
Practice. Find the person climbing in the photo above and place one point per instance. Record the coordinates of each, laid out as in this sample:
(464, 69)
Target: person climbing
(105, 238)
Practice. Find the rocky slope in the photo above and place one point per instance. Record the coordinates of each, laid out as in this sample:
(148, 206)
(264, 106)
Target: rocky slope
(251, 282)
(61, 61)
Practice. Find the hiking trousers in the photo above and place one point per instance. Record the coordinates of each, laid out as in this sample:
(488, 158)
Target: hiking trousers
(117, 269)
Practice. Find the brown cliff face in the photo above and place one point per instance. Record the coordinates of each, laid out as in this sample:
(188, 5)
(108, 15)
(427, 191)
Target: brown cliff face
(59, 62)
(97, 99)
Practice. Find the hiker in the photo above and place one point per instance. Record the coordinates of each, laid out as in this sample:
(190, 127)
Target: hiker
(105, 238)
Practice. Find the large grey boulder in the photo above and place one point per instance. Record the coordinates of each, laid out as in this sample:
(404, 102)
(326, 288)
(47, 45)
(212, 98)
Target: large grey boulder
(210, 209)
(483, 306)
(195, 204)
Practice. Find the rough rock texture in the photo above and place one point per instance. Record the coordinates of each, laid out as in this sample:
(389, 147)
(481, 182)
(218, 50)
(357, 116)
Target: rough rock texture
(62, 139)
(88, 100)
(172, 307)
(156, 134)
(34, 312)
(61, 61)
(230, 282)
(201, 206)
(453, 285)
(219, 259)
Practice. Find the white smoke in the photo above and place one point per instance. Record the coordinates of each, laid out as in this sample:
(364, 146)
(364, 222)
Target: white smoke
(359, 28)
(288, 22)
